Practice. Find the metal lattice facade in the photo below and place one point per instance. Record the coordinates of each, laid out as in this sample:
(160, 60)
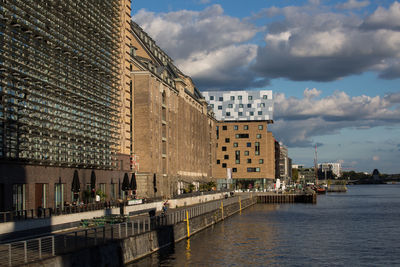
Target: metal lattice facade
(59, 82)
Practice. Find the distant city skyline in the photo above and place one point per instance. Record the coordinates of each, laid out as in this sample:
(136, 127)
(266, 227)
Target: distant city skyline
(334, 67)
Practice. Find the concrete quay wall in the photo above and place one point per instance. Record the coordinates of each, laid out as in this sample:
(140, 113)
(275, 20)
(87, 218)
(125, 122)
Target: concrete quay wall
(9, 230)
(133, 248)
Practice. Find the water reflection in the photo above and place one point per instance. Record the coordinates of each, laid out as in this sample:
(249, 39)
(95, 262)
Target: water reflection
(188, 250)
(352, 229)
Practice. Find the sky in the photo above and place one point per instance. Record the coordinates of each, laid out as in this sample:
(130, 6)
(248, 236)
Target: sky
(334, 68)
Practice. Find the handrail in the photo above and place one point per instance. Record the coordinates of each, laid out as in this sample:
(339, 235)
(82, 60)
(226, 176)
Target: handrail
(31, 250)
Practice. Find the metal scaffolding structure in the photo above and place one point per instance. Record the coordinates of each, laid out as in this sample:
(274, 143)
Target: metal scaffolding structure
(59, 82)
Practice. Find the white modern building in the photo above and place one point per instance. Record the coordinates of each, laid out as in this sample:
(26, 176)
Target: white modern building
(241, 105)
(336, 168)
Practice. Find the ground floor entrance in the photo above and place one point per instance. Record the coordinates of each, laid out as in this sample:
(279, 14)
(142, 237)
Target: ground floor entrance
(246, 184)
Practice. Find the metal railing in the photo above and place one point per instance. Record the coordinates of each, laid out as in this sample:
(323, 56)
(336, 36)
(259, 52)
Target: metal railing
(12, 216)
(31, 250)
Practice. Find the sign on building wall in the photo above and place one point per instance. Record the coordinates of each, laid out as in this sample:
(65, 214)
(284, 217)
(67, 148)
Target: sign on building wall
(135, 162)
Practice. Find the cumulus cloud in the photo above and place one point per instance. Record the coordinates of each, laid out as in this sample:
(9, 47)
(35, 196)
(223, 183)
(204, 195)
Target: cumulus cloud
(208, 45)
(384, 18)
(315, 43)
(309, 42)
(353, 4)
(298, 120)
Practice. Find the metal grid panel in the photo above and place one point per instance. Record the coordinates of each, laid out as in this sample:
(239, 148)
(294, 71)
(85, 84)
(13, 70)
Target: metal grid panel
(59, 82)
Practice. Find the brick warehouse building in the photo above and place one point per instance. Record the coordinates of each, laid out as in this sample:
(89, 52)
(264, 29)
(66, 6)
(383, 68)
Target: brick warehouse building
(174, 135)
(83, 89)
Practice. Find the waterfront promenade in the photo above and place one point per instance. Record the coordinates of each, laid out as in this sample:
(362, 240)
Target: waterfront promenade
(182, 221)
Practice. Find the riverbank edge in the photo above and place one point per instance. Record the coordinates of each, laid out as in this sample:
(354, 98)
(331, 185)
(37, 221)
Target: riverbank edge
(133, 248)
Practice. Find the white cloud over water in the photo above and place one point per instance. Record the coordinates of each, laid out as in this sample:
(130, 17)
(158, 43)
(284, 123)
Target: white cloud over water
(299, 120)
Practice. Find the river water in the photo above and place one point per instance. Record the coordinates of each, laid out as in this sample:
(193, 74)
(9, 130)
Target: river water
(357, 228)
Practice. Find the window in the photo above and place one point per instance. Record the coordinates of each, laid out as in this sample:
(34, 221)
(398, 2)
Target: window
(260, 112)
(245, 127)
(246, 153)
(133, 51)
(211, 97)
(230, 105)
(242, 135)
(239, 97)
(18, 196)
(217, 134)
(102, 187)
(240, 113)
(218, 161)
(228, 114)
(251, 113)
(257, 148)
(261, 161)
(258, 136)
(237, 156)
(235, 127)
(240, 105)
(226, 156)
(250, 97)
(260, 127)
(265, 97)
(232, 97)
(223, 165)
(220, 107)
(253, 169)
(248, 144)
(114, 190)
(249, 105)
(212, 105)
(234, 170)
(262, 105)
(248, 160)
(235, 144)
(59, 195)
(224, 148)
(224, 127)
(221, 98)
(227, 140)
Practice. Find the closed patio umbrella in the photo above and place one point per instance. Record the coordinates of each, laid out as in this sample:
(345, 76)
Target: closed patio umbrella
(133, 184)
(125, 183)
(75, 187)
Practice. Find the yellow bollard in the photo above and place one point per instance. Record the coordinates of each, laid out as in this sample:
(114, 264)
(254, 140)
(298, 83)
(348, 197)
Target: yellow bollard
(187, 224)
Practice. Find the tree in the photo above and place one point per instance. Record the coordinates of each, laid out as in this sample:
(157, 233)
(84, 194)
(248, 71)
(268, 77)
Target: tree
(295, 175)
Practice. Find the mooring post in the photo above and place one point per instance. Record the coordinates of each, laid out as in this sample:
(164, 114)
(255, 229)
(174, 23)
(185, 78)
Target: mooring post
(187, 224)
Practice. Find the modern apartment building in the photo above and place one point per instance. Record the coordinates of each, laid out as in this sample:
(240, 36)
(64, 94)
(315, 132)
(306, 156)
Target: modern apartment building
(245, 153)
(245, 148)
(174, 137)
(334, 167)
(241, 105)
(63, 109)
